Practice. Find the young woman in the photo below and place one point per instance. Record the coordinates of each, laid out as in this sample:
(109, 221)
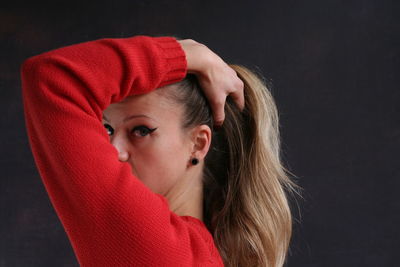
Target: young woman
(141, 177)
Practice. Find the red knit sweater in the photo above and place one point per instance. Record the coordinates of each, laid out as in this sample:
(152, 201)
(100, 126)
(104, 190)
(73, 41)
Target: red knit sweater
(109, 215)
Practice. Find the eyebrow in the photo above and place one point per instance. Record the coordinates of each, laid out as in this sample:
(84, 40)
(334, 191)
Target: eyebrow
(130, 117)
(135, 116)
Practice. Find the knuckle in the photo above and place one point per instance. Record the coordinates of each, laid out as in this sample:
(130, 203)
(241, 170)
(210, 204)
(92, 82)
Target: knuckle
(191, 41)
(239, 83)
(219, 102)
(233, 72)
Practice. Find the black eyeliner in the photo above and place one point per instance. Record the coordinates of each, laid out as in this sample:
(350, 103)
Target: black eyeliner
(150, 130)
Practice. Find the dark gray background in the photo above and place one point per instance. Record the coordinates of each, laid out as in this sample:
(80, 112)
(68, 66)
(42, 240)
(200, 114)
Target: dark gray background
(334, 67)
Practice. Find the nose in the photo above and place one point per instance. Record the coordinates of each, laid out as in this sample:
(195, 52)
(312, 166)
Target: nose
(122, 147)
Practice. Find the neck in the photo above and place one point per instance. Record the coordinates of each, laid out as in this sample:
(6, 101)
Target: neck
(186, 198)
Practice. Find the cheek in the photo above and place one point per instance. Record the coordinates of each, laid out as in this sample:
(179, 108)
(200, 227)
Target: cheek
(161, 163)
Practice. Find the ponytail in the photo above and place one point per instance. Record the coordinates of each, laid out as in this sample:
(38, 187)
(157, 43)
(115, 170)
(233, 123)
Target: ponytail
(245, 185)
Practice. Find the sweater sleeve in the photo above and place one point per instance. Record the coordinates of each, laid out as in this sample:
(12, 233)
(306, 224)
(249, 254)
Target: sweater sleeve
(109, 215)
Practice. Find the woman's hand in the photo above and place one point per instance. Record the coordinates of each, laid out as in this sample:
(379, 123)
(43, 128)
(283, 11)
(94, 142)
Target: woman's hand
(217, 79)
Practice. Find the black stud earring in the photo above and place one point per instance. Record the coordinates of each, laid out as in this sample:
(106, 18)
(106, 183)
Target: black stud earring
(195, 161)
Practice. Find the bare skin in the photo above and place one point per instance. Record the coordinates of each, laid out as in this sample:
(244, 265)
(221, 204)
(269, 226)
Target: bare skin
(152, 140)
(159, 151)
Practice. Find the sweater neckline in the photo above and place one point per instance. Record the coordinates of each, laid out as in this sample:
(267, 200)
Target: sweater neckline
(194, 219)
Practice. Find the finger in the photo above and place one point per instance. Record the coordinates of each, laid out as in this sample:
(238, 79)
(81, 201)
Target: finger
(219, 119)
(217, 107)
(236, 91)
(238, 96)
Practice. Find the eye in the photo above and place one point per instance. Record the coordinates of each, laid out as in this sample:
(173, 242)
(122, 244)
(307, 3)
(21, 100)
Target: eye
(141, 131)
(110, 129)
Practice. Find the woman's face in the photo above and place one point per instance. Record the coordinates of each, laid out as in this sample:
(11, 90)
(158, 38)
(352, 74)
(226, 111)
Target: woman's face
(146, 131)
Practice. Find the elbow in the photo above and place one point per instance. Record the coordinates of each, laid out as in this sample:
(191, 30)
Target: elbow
(37, 74)
(26, 66)
(38, 71)
(32, 68)
(27, 70)
(27, 74)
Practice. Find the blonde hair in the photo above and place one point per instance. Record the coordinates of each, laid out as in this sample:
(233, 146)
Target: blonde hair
(245, 185)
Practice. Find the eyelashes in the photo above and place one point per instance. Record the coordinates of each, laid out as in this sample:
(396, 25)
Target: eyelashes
(138, 131)
(142, 130)
(110, 129)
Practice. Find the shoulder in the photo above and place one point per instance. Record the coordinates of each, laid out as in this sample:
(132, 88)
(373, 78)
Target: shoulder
(214, 258)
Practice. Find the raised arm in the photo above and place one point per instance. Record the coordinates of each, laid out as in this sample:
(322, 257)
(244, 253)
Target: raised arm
(110, 217)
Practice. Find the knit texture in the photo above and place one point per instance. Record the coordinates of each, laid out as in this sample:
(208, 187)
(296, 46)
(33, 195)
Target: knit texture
(110, 217)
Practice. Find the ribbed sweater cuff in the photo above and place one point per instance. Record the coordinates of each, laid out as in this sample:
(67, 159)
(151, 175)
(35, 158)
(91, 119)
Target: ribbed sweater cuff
(175, 59)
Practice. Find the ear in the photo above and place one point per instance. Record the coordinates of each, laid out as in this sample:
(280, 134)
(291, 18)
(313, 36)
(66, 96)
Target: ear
(201, 141)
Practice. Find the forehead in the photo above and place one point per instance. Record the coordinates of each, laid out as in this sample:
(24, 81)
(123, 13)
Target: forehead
(154, 105)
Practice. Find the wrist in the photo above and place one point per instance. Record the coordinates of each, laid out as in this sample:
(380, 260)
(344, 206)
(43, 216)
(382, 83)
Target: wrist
(198, 56)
